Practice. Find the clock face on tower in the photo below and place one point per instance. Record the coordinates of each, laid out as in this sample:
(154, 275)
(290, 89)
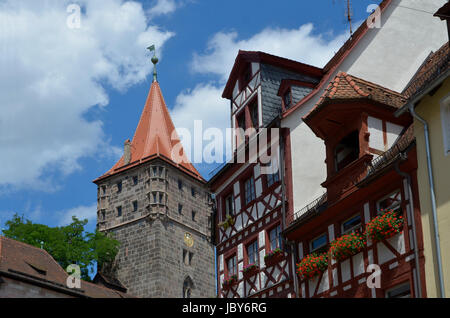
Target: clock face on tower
(188, 239)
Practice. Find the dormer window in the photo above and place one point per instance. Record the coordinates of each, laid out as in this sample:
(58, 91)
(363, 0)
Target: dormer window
(246, 77)
(253, 108)
(287, 99)
(347, 150)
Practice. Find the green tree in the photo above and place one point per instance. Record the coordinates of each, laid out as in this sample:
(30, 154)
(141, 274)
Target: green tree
(69, 244)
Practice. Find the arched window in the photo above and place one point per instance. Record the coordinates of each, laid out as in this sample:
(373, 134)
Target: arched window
(347, 150)
(188, 285)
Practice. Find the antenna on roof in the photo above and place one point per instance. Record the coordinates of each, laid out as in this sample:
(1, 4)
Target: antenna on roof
(349, 15)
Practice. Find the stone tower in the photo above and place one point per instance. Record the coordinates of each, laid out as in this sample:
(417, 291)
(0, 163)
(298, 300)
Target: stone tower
(160, 210)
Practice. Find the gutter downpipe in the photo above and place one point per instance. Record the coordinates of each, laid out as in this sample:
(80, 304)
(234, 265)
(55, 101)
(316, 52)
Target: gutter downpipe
(432, 197)
(413, 221)
(283, 210)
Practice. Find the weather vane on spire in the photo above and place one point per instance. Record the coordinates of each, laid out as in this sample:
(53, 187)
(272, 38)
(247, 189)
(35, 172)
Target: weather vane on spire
(154, 61)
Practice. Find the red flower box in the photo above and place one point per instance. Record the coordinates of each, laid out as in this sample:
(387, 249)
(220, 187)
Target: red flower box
(312, 265)
(250, 270)
(347, 245)
(227, 283)
(273, 257)
(384, 226)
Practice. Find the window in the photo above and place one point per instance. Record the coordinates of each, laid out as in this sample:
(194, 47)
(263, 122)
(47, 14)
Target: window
(135, 206)
(188, 285)
(193, 191)
(103, 215)
(347, 150)
(252, 253)
(351, 225)
(154, 197)
(193, 215)
(249, 190)
(155, 171)
(180, 208)
(103, 190)
(119, 211)
(253, 108)
(232, 266)
(160, 172)
(229, 205)
(119, 186)
(135, 180)
(245, 78)
(187, 257)
(161, 198)
(275, 237)
(241, 126)
(392, 201)
(400, 291)
(180, 184)
(272, 178)
(319, 244)
(287, 99)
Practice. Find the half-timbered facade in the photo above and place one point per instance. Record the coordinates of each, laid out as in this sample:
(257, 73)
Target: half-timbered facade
(371, 167)
(249, 193)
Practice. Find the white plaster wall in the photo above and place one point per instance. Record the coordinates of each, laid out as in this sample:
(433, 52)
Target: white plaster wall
(375, 127)
(400, 46)
(388, 56)
(392, 133)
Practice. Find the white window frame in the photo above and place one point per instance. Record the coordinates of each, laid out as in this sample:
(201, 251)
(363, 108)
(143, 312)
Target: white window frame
(445, 117)
(318, 248)
(350, 230)
(387, 196)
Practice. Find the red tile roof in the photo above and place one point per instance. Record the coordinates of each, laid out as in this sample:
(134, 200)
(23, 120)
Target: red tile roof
(155, 137)
(37, 266)
(347, 87)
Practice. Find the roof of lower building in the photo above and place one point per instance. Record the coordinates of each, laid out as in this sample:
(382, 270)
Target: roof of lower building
(36, 266)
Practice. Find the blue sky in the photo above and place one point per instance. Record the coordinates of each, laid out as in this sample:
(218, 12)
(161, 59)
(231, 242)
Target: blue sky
(70, 97)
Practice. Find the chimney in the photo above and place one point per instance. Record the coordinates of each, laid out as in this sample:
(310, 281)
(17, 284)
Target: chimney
(127, 152)
(444, 14)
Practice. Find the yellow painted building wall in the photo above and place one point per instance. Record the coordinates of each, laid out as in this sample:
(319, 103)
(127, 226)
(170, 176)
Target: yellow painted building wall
(429, 109)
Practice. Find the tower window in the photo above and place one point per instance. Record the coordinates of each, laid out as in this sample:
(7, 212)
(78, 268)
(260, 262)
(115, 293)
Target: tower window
(103, 190)
(194, 213)
(193, 191)
(161, 197)
(180, 184)
(103, 215)
(160, 172)
(180, 208)
(119, 186)
(135, 180)
(135, 206)
(119, 211)
(187, 257)
(347, 150)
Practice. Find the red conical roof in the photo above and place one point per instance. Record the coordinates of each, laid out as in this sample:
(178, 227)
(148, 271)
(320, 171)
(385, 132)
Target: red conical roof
(155, 136)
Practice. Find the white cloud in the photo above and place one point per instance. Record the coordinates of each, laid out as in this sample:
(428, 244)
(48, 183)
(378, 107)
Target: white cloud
(297, 44)
(163, 7)
(51, 75)
(81, 212)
